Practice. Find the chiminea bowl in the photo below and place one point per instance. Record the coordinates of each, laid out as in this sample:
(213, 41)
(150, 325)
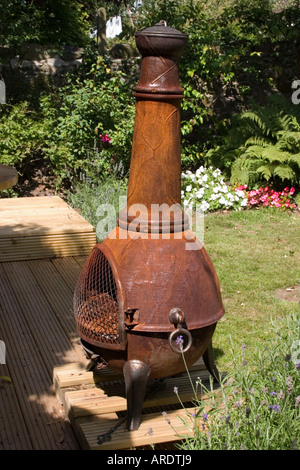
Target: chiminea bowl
(149, 292)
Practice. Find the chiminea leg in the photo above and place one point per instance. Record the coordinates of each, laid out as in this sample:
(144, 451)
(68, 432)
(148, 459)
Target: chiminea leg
(136, 374)
(209, 361)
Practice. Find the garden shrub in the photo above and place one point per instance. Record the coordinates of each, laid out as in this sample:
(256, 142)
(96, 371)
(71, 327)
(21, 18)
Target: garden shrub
(88, 197)
(263, 145)
(22, 136)
(82, 114)
(48, 22)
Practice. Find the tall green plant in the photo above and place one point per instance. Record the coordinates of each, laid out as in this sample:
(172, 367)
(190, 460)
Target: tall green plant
(263, 145)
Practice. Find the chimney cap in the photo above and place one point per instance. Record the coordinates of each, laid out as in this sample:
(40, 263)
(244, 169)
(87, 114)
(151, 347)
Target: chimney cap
(161, 39)
(161, 29)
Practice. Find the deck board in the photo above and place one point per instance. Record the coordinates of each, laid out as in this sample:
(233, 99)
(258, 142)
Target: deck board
(42, 227)
(96, 401)
(39, 333)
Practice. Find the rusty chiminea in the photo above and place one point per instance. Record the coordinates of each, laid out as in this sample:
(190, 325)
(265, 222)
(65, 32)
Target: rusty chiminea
(142, 287)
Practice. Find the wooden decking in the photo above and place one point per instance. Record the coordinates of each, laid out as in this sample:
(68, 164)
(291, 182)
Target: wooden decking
(96, 405)
(42, 227)
(38, 328)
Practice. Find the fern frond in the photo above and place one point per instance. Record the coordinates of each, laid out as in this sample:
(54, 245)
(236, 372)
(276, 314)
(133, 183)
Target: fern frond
(257, 140)
(265, 171)
(259, 122)
(285, 172)
(295, 159)
(253, 151)
(288, 140)
(244, 170)
(273, 154)
(288, 122)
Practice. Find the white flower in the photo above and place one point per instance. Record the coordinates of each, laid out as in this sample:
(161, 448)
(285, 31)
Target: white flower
(200, 193)
(204, 206)
(224, 188)
(189, 188)
(204, 178)
(216, 173)
(223, 201)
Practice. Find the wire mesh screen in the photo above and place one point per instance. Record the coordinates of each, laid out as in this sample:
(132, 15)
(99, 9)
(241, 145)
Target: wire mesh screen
(95, 301)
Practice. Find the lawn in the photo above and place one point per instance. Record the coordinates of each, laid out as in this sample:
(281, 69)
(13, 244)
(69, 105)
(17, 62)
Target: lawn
(256, 256)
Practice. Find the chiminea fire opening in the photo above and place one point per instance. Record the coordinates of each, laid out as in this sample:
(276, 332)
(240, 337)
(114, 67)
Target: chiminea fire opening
(98, 303)
(145, 289)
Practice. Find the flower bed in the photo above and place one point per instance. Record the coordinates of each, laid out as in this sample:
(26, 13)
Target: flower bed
(206, 190)
(268, 197)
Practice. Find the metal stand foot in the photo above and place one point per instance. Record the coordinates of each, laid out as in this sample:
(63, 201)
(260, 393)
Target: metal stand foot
(209, 361)
(136, 374)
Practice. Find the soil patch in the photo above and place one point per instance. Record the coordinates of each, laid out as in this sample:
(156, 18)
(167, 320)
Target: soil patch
(290, 294)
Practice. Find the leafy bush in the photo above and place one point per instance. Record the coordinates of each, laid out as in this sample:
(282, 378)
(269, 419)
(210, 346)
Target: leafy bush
(263, 144)
(225, 44)
(21, 136)
(87, 197)
(83, 112)
(53, 23)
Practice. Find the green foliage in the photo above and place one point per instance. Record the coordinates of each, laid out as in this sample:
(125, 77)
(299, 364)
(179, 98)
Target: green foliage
(225, 42)
(262, 145)
(99, 104)
(46, 22)
(258, 406)
(21, 136)
(68, 130)
(88, 197)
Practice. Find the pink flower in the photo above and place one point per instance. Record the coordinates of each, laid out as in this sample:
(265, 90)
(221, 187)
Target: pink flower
(253, 201)
(105, 138)
(292, 190)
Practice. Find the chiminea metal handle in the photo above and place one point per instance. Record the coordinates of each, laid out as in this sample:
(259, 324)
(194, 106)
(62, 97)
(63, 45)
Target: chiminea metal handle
(176, 338)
